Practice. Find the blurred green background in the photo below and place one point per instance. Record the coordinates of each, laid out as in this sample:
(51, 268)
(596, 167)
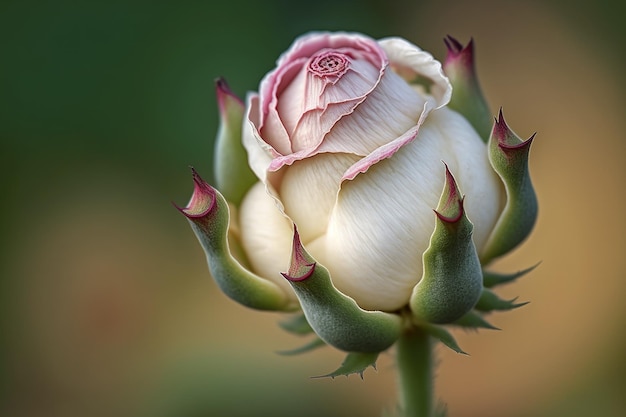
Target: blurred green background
(107, 306)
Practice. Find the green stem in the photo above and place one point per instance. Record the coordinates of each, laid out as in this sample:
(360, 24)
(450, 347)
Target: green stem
(415, 368)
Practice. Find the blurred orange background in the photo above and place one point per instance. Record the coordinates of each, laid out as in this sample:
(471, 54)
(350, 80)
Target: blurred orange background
(108, 307)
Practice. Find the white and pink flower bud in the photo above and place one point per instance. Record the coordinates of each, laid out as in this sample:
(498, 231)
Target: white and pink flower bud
(332, 172)
(350, 149)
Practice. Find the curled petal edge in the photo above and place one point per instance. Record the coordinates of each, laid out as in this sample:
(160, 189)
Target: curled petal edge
(411, 61)
(406, 57)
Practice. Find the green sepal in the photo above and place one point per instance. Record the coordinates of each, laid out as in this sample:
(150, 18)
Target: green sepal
(444, 336)
(209, 217)
(508, 155)
(492, 279)
(312, 345)
(474, 320)
(233, 175)
(489, 301)
(354, 363)
(296, 325)
(452, 277)
(467, 96)
(335, 317)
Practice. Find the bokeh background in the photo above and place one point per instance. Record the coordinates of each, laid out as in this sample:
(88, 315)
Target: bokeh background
(107, 305)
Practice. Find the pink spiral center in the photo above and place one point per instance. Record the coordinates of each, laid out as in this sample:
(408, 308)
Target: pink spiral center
(329, 64)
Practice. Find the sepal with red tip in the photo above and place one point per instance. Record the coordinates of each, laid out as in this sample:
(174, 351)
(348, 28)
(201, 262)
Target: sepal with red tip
(232, 172)
(209, 217)
(508, 155)
(451, 282)
(335, 317)
(467, 96)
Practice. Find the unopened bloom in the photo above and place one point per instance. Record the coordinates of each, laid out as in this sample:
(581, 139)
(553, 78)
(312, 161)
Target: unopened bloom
(352, 149)
(355, 187)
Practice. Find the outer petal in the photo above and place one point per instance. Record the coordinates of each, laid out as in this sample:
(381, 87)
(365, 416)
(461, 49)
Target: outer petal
(309, 189)
(386, 150)
(411, 62)
(383, 219)
(266, 236)
(260, 154)
(387, 113)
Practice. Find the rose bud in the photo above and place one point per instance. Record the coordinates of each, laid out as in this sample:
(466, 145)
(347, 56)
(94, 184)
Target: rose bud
(334, 180)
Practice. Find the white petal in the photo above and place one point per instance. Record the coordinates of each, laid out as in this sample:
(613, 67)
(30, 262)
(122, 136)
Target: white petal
(309, 191)
(409, 61)
(406, 57)
(387, 113)
(384, 218)
(260, 154)
(266, 236)
(381, 226)
(387, 150)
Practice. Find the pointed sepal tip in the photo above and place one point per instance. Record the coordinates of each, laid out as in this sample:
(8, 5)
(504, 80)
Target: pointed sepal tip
(233, 175)
(467, 96)
(335, 317)
(209, 217)
(508, 155)
(451, 280)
